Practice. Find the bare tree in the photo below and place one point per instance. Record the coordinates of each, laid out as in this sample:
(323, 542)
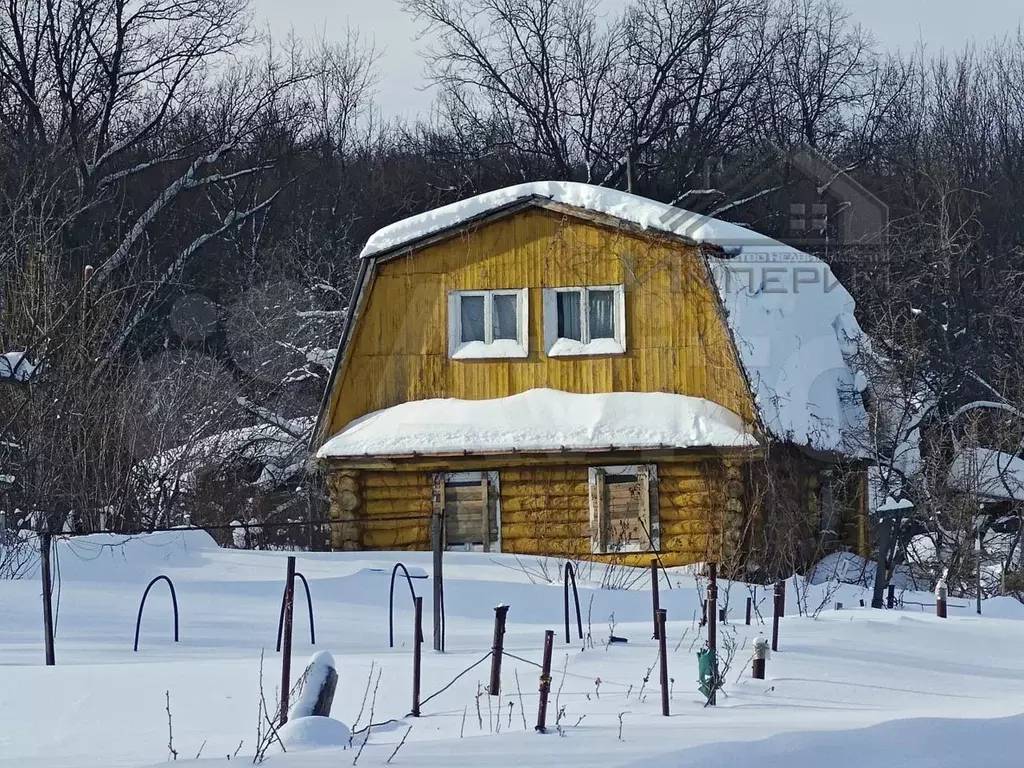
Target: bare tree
(585, 97)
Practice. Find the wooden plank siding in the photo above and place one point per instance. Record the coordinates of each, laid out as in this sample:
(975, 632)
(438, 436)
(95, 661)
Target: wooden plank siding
(675, 338)
(545, 511)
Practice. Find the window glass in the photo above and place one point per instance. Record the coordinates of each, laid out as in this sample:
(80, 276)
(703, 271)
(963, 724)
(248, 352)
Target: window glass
(602, 314)
(505, 316)
(471, 310)
(569, 310)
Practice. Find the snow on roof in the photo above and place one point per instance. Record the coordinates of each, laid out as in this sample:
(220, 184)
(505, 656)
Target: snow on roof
(892, 505)
(16, 366)
(988, 473)
(281, 454)
(644, 213)
(541, 420)
(793, 323)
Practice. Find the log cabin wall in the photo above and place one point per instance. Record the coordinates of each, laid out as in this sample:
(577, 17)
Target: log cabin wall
(543, 508)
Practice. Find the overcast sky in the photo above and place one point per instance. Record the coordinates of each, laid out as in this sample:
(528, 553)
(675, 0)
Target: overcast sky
(895, 23)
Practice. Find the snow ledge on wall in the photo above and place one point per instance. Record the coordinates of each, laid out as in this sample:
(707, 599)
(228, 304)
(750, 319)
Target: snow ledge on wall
(541, 420)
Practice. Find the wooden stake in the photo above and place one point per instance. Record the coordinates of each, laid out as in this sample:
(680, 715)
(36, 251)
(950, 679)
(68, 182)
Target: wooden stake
(545, 681)
(663, 659)
(497, 649)
(417, 646)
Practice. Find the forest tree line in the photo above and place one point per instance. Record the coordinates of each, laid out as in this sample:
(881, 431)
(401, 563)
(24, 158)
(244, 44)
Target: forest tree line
(183, 199)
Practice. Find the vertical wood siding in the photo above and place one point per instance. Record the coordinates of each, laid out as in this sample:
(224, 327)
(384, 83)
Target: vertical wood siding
(675, 338)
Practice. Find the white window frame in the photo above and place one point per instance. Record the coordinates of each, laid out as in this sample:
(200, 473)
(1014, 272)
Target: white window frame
(489, 347)
(598, 522)
(555, 346)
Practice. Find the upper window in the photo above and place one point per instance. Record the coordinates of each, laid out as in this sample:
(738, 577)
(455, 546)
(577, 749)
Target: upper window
(585, 321)
(484, 324)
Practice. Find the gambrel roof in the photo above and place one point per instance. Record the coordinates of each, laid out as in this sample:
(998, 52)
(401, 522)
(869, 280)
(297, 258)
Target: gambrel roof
(792, 323)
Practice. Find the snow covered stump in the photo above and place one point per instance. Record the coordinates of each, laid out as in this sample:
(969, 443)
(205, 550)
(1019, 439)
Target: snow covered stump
(310, 725)
(313, 694)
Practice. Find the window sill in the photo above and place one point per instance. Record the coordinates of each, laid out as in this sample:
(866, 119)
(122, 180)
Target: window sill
(573, 348)
(623, 549)
(503, 349)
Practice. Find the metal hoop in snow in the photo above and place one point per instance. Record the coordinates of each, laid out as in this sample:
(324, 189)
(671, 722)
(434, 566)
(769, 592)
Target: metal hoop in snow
(391, 603)
(309, 605)
(570, 572)
(174, 603)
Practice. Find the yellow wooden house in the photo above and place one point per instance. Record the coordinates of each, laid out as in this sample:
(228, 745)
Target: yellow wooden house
(567, 370)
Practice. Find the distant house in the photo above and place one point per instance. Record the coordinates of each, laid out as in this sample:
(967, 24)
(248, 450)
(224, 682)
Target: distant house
(826, 204)
(561, 369)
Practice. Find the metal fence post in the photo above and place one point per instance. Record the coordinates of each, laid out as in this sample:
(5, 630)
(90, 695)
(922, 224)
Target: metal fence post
(45, 545)
(437, 544)
(779, 610)
(713, 627)
(655, 599)
(286, 657)
(663, 659)
(570, 573)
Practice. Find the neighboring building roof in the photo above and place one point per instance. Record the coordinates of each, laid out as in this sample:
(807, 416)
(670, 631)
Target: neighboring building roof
(865, 218)
(792, 322)
(988, 474)
(541, 420)
(280, 453)
(892, 505)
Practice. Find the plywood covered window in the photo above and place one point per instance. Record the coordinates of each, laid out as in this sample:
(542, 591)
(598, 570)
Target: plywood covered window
(624, 509)
(487, 324)
(585, 321)
(470, 504)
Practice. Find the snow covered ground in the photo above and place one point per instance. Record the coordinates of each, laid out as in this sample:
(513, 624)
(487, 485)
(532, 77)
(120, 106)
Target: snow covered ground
(850, 687)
